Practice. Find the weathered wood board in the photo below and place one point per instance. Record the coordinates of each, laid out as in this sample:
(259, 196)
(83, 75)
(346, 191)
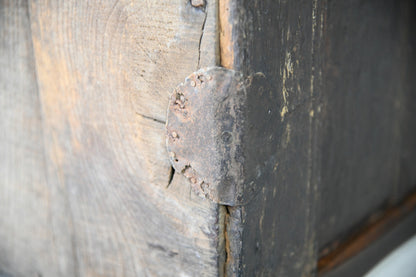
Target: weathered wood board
(86, 187)
(346, 132)
(277, 38)
(368, 105)
(85, 190)
(25, 199)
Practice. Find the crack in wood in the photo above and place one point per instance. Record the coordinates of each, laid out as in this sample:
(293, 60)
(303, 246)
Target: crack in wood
(151, 118)
(227, 250)
(200, 38)
(230, 244)
(171, 174)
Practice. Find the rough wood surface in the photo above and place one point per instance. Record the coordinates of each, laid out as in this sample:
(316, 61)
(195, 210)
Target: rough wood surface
(369, 257)
(25, 199)
(369, 235)
(86, 188)
(277, 39)
(97, 200)
(369, 130)
(345, 136)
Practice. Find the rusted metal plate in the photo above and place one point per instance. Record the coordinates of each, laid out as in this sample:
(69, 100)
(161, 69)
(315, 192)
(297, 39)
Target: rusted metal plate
(205, 133)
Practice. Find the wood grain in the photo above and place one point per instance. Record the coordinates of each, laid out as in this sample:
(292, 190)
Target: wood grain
(276, 229)
(98, 193)
(368, 130)
(86, 188)
(26, 201)
(365, 260)
(344, 139)
(368, 235)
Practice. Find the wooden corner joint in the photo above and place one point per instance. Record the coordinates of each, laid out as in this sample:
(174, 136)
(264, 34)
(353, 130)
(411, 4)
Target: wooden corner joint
(208, 134)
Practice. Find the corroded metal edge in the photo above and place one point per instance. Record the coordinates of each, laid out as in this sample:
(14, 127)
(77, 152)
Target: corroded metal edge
(206, 135)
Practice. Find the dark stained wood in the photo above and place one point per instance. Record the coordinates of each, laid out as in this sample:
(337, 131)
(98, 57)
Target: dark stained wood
(277, 228)
(373, 231)
(407, 124)
(364, 261)
(345, 136)
(369, 130)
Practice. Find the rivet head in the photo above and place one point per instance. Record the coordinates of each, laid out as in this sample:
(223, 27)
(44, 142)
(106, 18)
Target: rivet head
(226, 137)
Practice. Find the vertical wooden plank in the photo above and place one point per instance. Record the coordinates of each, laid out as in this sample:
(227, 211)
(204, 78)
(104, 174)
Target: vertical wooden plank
(368, 128)
(407, 56)
(105, 72)
(339, 76)
(277, 228)
(27, 245)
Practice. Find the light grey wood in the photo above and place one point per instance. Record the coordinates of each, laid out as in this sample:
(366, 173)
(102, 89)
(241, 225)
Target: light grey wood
(86, 191)
(27, 246)
(105, 72)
